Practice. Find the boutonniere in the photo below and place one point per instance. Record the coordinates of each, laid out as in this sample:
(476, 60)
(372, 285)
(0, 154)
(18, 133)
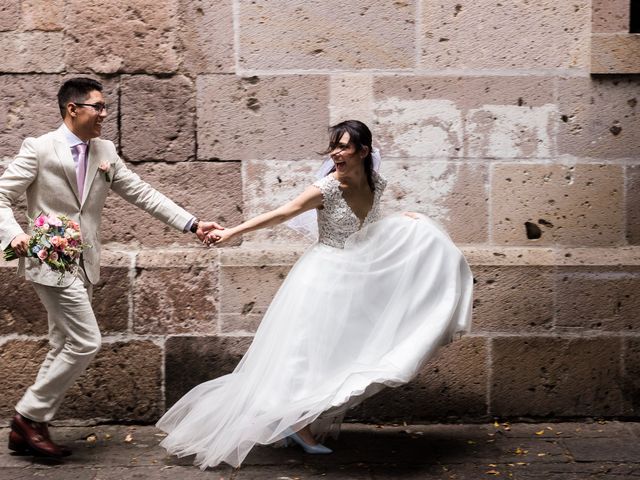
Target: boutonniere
(104, 167)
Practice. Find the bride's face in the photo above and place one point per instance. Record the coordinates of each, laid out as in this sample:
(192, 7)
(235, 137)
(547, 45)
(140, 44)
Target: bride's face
(345, 157)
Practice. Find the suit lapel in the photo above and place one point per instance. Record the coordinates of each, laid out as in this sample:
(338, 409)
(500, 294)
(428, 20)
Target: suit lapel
(92, 167)
(66, 160)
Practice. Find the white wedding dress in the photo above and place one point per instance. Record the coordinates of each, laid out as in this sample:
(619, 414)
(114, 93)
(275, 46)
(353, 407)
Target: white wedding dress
(363, 308)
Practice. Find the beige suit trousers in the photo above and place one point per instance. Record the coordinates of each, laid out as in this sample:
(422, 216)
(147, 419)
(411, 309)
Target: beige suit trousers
(74, 338)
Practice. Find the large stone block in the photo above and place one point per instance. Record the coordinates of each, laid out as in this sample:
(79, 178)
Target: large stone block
(552, 376)
(261, 117)
(615, 53)
(452, 194)
(578, 205)
(452, 384)
(207, 358)
(31, 52)
(610, 16)
(129, 37)
(29, 108)
(599, 116)
(123, 383)
(632, 376)
(632, 201)
(210, 191)
(449, 117)
(206, 36)
(175, 292)
(19, 364)
(513, 299)
(597, 299)
(280, 35)
(43, 15)
(10, 15)
(111, 296)
(510, 35)
(246, 292)
(158, 118)
(351, 98)
(21, 312)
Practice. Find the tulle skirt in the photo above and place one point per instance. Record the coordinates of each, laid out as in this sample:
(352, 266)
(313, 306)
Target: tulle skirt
(344, 324)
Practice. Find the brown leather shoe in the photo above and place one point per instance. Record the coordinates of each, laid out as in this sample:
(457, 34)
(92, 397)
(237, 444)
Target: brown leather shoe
(20, 446)
(17, 444)
(44, 430)
(30, 433)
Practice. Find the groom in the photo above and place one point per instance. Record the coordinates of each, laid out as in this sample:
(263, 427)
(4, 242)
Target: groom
(69, 172)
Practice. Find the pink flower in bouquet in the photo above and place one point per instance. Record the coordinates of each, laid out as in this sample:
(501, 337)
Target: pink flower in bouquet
(59, 242)
(54, 256)
(53, 220)
(73, 225)
(40, 221)
(42, 254)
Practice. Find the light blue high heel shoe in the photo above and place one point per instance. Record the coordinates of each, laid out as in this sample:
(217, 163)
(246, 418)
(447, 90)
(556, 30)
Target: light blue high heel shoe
(318, 449)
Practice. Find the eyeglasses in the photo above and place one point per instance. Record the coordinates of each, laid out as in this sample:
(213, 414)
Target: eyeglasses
(98, 107)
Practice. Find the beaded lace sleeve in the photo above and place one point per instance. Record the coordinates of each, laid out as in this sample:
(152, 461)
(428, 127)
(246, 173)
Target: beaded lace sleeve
(329, 188)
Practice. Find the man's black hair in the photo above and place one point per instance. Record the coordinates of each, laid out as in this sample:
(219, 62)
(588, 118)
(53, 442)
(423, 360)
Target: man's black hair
(76, 90)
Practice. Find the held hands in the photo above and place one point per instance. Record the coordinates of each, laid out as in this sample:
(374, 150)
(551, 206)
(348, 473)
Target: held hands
(218, 237)
(20, 244)
(212, 233)
(205, 227)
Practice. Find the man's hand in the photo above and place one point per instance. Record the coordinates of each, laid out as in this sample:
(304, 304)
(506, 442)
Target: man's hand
(206, 227)
(20, 244)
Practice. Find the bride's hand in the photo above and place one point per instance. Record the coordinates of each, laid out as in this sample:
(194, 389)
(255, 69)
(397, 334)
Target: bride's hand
(413, 215)
(218, 237)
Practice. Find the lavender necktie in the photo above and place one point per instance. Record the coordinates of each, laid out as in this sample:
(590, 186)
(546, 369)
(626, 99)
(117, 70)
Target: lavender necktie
(81, 167)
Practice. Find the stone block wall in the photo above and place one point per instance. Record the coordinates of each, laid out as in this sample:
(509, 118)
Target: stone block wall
(488, 119)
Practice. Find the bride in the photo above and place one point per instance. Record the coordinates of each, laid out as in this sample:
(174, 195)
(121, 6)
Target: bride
(362, 309)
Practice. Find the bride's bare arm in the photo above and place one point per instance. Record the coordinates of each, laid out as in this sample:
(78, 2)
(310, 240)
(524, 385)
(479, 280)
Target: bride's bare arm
(310, 198)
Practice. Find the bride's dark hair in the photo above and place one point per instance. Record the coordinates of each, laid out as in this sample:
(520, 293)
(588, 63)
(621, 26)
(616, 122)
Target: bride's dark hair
(360, 137)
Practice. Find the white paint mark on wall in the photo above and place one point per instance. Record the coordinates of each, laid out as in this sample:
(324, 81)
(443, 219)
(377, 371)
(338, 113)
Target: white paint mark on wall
(419, 186)
(419, 128)
(509, 131)
(438, 128)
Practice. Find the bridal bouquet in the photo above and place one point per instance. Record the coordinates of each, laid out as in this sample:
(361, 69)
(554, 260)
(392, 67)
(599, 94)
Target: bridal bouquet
(56, 241)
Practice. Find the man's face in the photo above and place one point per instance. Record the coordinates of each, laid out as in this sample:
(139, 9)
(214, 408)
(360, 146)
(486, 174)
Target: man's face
(86, 120)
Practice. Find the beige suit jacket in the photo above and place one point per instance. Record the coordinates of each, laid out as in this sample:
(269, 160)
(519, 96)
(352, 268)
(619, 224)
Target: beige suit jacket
(45, 170)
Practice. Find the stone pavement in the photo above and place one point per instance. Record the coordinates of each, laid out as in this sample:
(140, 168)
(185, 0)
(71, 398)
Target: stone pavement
(522, 451)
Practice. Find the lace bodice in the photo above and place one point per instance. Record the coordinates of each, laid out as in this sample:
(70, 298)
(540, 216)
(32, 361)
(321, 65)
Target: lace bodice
(336, 221)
